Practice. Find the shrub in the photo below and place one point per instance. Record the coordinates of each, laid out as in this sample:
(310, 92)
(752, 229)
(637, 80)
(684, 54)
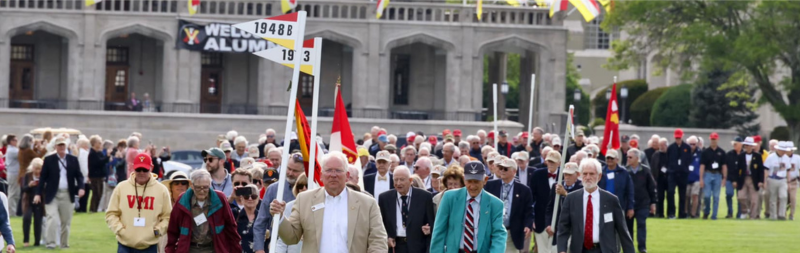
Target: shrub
(636, 88)
(779, 133)
(643, 106)
(672, 108)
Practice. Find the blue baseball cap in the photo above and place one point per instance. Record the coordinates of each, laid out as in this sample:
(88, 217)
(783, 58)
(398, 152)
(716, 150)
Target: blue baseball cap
(474, 171)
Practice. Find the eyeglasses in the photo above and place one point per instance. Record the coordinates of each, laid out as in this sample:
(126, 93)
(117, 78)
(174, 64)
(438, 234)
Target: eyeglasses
(692, 144)
(239, 183)
(502, 168)
(200, 188)
(256, 181)
(209, 159)
(142, 170)
(301, 186)
(270, 136)
(476, 143)
(334, 171)
(630, 157)
(251, 196)
(180, 182)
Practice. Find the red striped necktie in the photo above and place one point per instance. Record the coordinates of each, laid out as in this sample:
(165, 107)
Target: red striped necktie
(469, 228)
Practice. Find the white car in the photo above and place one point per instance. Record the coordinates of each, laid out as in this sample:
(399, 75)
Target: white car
(170, 166)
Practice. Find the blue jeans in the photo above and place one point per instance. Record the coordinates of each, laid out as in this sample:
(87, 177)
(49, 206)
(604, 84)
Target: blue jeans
(713, 182)
(729, 192)
(126, 249)
(640, 216)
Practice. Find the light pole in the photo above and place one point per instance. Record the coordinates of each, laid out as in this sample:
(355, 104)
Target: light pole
(504, 91)
(577, 100)
(624, 94)
(608, 94)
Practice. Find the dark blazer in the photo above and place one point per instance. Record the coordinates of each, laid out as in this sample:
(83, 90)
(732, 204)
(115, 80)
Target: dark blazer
(528, 171)
(644, 188)
(658, 161)
(756, 170)
(420, 213)
(97, 164)
(521, 209)
(550, 206)
(51, 174)
(623, 186)
(676, 153)
(571, 224)
(369, 182)
(541, 196)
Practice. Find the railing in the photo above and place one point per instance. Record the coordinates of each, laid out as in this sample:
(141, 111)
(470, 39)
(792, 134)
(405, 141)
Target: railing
(320, 10)
(239, 109)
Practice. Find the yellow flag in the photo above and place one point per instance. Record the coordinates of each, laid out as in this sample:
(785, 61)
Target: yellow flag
(514, 3)
(607, 4)
(479, 9)
(92, 2)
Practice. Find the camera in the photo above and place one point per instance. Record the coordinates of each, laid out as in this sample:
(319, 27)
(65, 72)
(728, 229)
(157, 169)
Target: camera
(244, 191)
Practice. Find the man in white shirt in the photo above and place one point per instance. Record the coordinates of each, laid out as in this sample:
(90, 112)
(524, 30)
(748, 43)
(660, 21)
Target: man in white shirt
(423, 168)
(377, 183)
(362, 230)
(778, 164)
(12, 170)
(794, 176)
(447, 154)
(407, 215)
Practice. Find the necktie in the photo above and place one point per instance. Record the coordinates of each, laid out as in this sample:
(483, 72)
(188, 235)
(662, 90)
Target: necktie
(552, 175)
(588, 229)
(507, 207)
(404, 210)
(469, 228)
(383, 178)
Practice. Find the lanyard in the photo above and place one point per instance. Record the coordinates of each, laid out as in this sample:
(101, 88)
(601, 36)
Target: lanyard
(224, 184)
(507, 193)
(139, 200)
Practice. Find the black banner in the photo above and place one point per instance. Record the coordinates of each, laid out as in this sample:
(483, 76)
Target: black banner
(218, 37)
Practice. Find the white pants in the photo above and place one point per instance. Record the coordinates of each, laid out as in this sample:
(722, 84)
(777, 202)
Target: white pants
(13, 194)
(58, 211)
(544, 242)
(107, 190)
(778, 191)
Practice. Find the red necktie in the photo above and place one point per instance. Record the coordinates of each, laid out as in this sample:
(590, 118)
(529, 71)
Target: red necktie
(589, 227)
(469, 228)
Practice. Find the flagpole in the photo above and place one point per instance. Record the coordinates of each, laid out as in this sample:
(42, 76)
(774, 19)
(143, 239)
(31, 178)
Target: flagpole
(530, 108)
(314, 112)
(298, 47)
(494, 100)
(563, 161)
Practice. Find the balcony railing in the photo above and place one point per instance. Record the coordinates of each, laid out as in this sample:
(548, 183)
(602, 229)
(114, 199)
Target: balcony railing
(439, 13)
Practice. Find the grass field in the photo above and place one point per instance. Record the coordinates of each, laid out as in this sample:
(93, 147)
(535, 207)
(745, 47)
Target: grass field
(90, 234)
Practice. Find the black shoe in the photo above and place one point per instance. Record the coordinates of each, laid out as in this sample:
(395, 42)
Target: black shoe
(705, 216)
(642, 250)
(728, 216)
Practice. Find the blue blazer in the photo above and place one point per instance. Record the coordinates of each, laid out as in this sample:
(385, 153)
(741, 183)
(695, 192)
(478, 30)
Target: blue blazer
(449, 226)
(623, 186)
(521, 209)
(540, 190)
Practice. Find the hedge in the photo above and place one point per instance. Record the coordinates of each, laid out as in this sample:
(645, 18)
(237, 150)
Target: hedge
(636, 88)
(672, 108)
(780, 133)
(641, 108)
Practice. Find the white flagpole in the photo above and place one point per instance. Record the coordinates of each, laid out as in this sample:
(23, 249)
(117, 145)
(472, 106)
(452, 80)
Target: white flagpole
(560, 177)
(530, 108)
(314, 112)
(298, 46)
(494, 99)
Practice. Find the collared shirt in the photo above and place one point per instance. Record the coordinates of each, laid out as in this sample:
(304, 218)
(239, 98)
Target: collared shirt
(427, 182)
(634, 170)
(83, 161)
(237, 157)
(773, 161)
(506, 197)
(713, 156)
(200, 233)
(334, 224)
(748, 158)
(447, 164)
(523, 175)
(12, 161)
(595, 213)
(551, 181)
(796, 163)
(62, 172)
(476, 213)
(381, 186)
(401, 231)
(226, 186)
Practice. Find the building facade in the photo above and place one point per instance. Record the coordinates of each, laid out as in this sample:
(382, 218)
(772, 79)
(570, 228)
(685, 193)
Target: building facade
(419, 61)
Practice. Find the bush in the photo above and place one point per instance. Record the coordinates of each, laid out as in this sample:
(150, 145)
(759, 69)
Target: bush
(643, 106)
(779, 133)
(672, 108)
(582, 108)
(636, 88)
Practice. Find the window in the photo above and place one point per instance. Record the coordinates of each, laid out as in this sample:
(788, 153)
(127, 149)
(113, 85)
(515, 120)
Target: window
(306, 85)
(596, 38)
(119, 80)
(22, 52)
(400, 78)
(211, 59)
(642, 72)
(117, 55)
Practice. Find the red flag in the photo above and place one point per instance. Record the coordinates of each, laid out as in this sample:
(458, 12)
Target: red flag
(342, 139)
(304, 138)
(611, 134)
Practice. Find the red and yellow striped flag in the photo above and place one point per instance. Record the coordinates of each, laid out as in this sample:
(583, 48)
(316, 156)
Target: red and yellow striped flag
(92, 2)
(304, 138)
(193, 5)
(287, 5)
(382, 5)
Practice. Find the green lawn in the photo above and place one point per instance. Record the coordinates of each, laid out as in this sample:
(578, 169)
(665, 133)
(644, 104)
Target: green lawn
(90, 234)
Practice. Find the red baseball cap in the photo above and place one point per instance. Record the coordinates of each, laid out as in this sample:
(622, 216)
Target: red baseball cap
(757, 139)
(445, 132)
(143, 160)
(524, 134)
(678, 133)
(634, 143)
(457, 132)
(432, 140)
(381, 133)
(714, 136)
(490, 135)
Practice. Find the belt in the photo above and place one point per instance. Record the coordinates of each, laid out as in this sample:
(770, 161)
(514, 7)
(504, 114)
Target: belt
(776, 178)
(714, 171)
(401, 239)
(594, 246)
(198, 245)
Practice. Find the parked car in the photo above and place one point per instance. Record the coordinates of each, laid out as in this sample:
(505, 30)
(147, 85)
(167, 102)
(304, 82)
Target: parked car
(188, 157)
(171, 166)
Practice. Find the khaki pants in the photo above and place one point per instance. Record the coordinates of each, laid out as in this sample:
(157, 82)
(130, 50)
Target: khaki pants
(527, 247)
(792, 197)
(107, 190)
(778, 191)
(510, 248)
(748, 198)
(58, 210)
(544, 243)
(13, 194)
(764, 202)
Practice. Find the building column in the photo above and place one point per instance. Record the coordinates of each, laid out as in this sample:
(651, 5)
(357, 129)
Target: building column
(169, 80)
(92, 82)
(5, 69)
(374, 94)
(527, 67)
(468, 85)
(453, 86)
(80, 92)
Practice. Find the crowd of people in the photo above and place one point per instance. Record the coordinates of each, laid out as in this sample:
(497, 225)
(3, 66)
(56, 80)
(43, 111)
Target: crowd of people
(423, 194)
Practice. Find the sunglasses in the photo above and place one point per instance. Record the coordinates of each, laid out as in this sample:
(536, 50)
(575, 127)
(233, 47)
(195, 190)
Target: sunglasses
(140, 170)
(301, 186)
(180, 182)
(270, 136)
(692, 144)
(239, 183)
(256, 181)
(630, 157)
(503, 168)
(201, 188)
(209, 159)
(251, 196)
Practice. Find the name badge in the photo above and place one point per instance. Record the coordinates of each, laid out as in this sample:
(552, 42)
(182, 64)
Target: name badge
(608, 217)
(691, 167)
(663, 169)
(715, 165)
(138, 222)
(200, 219)
(317, 207)
(610, 175)
(679, 162)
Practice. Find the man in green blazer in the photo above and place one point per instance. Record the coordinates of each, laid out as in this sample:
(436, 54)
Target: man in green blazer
(469, 219)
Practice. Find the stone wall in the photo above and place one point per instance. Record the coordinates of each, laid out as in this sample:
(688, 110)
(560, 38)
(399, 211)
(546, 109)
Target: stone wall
(725, 135)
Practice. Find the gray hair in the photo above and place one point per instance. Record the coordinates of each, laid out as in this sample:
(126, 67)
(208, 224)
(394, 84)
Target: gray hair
(463, 144)
(410, 147)
(538, 129)
(26, 141)
(692, 139)
(424, 161)
(133, 141)
(450, 146)
(270, 130)
(231, 135)
(394, 158)
(402, 168)
(200, 175)
(481, 132)
(635, 152)
(471, 138)
(664, 140)
(590, 163)
(391, 138)
(333, 155)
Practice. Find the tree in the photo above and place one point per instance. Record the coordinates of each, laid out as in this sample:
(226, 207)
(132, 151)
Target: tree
(749, 37)
(672, 108)
(643, 106)
(713, 108)
(582, 108)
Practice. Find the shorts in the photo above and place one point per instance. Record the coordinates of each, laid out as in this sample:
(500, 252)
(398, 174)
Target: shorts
(693, 189)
